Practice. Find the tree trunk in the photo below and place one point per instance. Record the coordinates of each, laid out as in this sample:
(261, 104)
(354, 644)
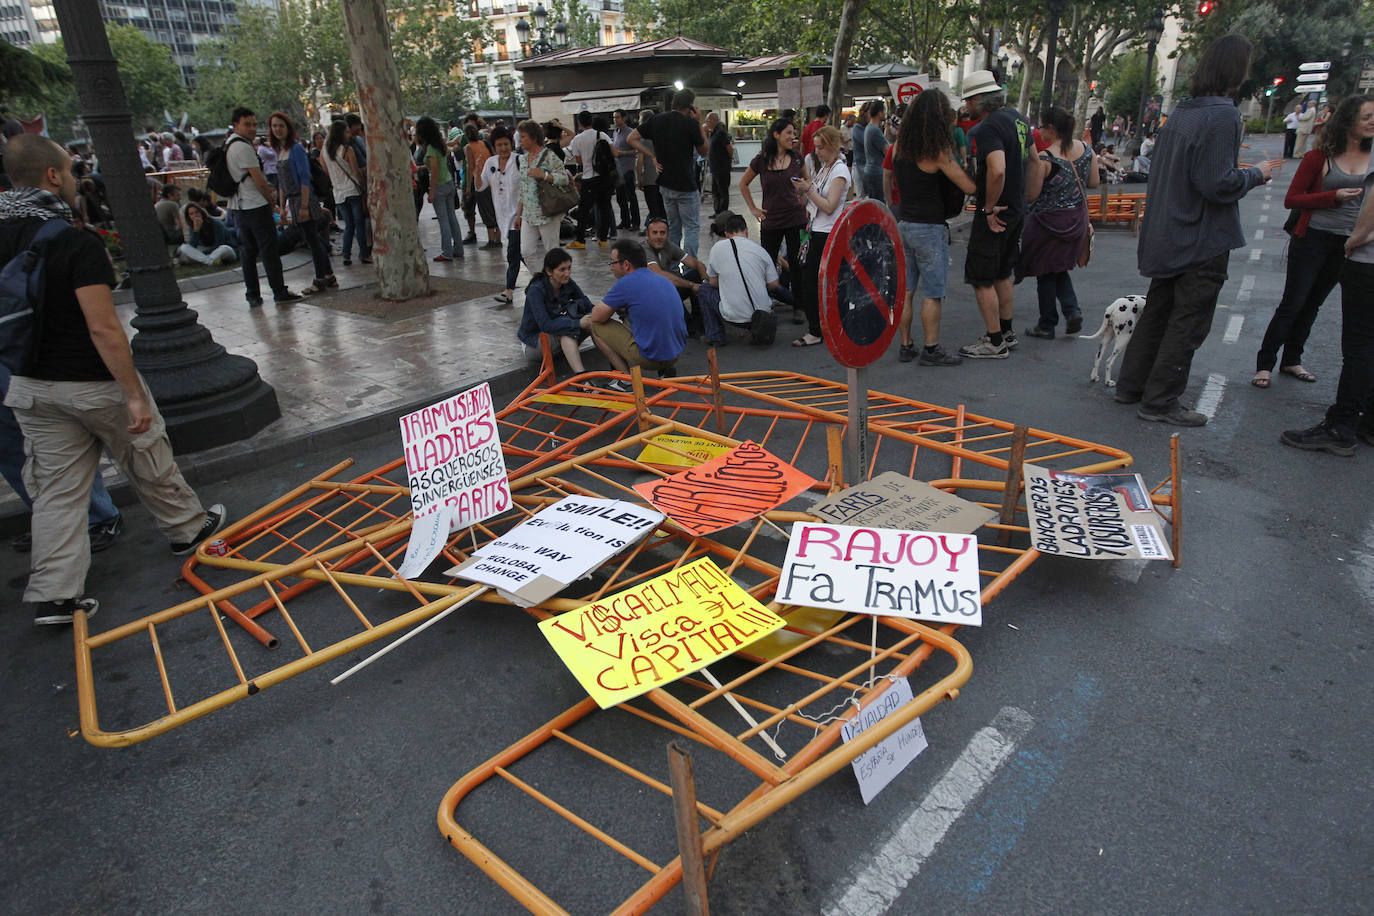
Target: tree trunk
(401, 264)
(844, 40)
(1032, 75)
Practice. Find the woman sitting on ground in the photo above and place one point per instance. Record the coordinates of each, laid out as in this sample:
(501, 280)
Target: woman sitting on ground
(554, 305)
(208, 241)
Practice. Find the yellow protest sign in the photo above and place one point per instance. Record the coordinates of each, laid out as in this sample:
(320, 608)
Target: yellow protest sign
(693, 451)
(650, 635)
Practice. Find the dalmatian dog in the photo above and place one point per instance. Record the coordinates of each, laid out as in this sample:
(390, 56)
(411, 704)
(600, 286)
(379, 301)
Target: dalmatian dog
(1118, 324)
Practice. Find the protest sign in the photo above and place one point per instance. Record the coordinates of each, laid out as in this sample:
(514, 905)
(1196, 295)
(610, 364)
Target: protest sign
(893, 500)
(455, 470)
(743, 483)
(1093, 516)
(536, 559)
(918, 575)
(656, 632)
(694, 450)
(880, 765)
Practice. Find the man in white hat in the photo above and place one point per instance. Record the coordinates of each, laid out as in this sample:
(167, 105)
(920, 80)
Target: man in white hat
(1000, 146)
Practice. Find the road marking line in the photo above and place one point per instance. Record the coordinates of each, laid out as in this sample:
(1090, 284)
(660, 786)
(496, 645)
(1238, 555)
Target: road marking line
(1212, 392)
(1233, 328)
(891, 867)
(1259, 234)
(1264, 206)
(1263, 217)
(1242, 296)
(1255, 254)
(1247, 281)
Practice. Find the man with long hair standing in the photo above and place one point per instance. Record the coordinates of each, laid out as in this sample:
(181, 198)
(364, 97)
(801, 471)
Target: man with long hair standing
(1192, 221)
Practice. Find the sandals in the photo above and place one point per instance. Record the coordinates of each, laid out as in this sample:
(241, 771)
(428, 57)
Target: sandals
(1299, 373)
(320, 285)
(803, 342)
(1262, 379)
(503, 297)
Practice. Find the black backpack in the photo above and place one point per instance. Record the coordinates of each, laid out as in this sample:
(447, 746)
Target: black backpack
(217, 161)
(23, 282)
(603, 158)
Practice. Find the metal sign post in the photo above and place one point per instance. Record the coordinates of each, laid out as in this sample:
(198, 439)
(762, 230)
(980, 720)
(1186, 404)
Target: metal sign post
(862, 287)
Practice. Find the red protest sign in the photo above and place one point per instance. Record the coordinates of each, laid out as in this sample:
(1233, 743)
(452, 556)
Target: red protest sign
(743, 483)
(907, 91)
(862, 283)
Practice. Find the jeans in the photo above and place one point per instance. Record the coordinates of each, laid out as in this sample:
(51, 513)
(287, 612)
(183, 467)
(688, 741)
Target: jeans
(1054, 291)
(1314, 264)
(258, 234)
(357, 224)
(450, 232)
(712, 324)
(873, 183)
(319, 248)
(684, 218)
(927, 257)
(512, 257)
(102, 510)
(772, 239)
(1178, 314)
(1355, 390)
(223, 254)
(536, 241)
(809, 282)
(594, 207)
(627, 201)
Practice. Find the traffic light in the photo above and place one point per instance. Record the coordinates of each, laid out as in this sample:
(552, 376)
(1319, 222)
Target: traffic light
(1278, 81)
(1205, 6)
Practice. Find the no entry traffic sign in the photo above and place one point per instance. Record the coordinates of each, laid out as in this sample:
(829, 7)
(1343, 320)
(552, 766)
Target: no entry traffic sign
(862, 283)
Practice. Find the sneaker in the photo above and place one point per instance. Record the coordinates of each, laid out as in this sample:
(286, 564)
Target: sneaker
(984, 348)
(215, 518)
(1009, 338)
(287, 296)
(471, 239)
(1178, 415)
(907, 353)
(348, 262)
(103, 536)
(1074, 326)
(52, 613)
(254, 302)
(603, 242)
(1037, 331)
(937, 357)
(619, 386)
(1320, 438)
(576, 245)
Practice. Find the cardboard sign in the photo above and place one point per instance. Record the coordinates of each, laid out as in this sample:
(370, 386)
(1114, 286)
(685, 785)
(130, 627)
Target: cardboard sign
(918, 575)
(455, 470)
(1093, 516)
(538, 558)
(696, 450)
(881, 765)
(742, 484)
(650, 635)
(893, 500)
(906, 88)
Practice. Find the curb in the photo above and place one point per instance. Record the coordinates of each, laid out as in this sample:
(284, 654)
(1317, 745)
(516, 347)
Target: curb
(290, 261)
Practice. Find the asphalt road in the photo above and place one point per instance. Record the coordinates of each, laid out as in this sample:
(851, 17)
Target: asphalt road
(1134, 738)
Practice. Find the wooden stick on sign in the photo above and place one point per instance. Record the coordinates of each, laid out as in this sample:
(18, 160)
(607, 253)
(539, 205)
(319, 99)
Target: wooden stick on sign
(688, 829)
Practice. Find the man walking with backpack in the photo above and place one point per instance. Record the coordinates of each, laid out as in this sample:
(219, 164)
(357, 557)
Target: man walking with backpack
(74, 387)
(251, 201)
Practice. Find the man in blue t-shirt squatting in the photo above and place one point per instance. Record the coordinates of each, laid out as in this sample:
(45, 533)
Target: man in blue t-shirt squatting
(657, 332)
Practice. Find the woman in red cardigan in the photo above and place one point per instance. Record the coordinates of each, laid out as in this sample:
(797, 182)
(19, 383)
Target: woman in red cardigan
(1327, 191)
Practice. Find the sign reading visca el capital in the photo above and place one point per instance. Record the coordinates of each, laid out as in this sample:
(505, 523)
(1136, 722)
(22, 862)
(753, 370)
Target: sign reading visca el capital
(653, 634)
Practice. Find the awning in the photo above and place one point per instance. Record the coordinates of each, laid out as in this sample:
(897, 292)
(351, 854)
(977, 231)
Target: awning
(602, 100)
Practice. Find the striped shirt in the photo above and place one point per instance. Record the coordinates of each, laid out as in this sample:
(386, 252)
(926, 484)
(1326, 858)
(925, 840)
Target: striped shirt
(1191, 208)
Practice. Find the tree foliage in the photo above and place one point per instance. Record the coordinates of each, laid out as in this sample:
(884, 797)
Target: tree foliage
(1287, 33)
(151, 78)
(23, 73)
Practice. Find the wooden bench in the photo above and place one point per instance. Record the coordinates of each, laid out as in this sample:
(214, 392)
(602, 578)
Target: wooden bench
(1122, 207)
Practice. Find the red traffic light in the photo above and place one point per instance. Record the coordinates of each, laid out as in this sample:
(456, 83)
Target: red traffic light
(1205, 7)
(1278, 81)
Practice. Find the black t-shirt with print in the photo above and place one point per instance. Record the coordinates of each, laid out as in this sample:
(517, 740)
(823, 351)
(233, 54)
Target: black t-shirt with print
(676, 137)
(64, 351)
(1005, 130)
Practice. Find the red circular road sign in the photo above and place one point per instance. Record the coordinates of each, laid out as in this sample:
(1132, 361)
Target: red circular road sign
(907, 91)
(862, 283)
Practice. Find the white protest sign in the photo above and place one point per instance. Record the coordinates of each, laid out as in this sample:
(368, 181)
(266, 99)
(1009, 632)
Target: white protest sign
(919, 575)
(564, 541)
(879, 766)
(455, 470)
(1093, 516)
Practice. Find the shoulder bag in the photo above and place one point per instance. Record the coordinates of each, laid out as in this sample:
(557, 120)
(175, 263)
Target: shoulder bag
(1085, 253)
(763, 324)
(553, 200)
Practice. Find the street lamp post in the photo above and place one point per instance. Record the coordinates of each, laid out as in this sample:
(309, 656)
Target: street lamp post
(541, 45)
(1056, 8)
(206, 396)
(1153, 30)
